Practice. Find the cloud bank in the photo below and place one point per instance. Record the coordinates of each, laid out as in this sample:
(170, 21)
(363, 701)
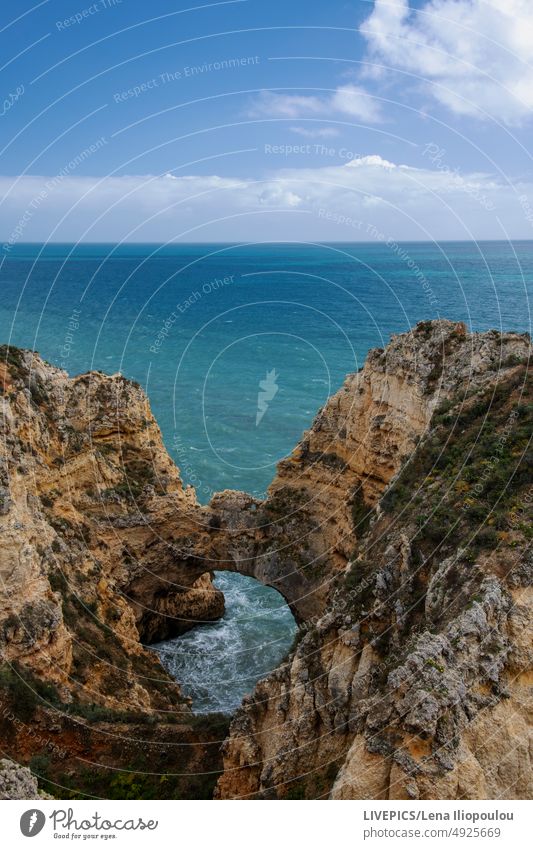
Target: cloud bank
(350, 202)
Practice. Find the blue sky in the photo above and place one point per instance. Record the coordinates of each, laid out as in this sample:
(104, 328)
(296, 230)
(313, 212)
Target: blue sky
(238, 120)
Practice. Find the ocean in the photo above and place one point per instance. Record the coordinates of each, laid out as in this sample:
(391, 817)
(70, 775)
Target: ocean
(237, 347)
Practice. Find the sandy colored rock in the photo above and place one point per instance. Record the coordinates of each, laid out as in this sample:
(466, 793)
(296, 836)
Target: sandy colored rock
(102, 546)
(413, 677)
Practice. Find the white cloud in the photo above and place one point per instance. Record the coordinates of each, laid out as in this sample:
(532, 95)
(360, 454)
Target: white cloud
(372, 159)
(290, 203)
(276, 195)
(315, 132)
(474, 55)
(349, 99)
(354, 100)
(285, 105)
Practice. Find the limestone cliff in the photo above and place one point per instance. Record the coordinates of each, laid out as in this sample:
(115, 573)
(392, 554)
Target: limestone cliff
(102, 549)
(413, 677)
(303, 534)
(101, 543)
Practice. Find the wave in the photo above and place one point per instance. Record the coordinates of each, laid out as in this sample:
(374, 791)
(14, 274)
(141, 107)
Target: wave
(217, 663)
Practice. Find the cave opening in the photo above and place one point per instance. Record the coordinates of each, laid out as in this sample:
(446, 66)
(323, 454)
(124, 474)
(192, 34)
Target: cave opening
(218, 663)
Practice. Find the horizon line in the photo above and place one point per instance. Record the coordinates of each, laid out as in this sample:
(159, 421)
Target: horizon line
(236, 243)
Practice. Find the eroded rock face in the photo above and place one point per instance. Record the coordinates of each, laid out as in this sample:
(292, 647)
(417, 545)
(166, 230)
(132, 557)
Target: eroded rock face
(102, 546)
(304, 533)
(413, 678)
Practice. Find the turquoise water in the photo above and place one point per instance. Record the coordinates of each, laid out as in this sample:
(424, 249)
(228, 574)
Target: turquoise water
(202, 326)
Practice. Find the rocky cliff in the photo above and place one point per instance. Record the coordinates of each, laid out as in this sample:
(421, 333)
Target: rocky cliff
(102, 550)
(102, 546)
(413, 677)
(398, 531)
(303, 534)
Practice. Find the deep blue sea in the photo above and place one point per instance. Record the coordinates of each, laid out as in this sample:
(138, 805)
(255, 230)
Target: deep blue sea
(207, 328)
